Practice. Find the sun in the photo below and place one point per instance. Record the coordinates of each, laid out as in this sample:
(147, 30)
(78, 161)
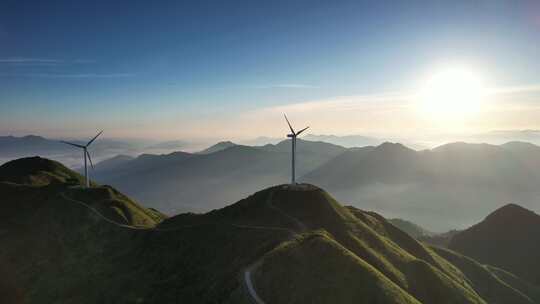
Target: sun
(451, 94)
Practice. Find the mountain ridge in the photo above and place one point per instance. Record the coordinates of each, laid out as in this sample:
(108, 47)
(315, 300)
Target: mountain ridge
(202, 182)
(507, 238)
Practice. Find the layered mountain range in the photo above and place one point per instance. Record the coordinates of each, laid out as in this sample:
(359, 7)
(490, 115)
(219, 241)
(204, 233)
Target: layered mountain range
(445, 188)
(464, 181)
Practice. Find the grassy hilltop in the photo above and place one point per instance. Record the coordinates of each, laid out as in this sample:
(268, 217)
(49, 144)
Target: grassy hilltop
(66, 244)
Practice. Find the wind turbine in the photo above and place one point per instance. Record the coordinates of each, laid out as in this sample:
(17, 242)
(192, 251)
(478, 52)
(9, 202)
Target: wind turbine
(293, 136)
(85, 155)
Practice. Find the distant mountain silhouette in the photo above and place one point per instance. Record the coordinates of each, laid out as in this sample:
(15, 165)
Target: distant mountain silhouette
(113, 162)
(508, 238)
(126, 167)
(465, 180)
(317, 147)
(261, 141)
(218, 147)
(387, 163)
(200, 182)
(410, 228)
(172, 144)
(389, 178)
(11, 146)
(439, 239)
(348, 141)
(286, 244)
(16, 147)
(503, 136)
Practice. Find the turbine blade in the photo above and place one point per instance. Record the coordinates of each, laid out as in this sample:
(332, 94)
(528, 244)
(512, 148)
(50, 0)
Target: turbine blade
(90, 159)
(72, 144)
(290, 127)
(302, 130)
(92, 140)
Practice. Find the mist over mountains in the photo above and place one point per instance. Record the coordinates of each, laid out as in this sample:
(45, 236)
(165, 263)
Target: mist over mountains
(181, 182)
(12, 147)
(454, 184)
(347, 141)
(448, 187)
(451, 186)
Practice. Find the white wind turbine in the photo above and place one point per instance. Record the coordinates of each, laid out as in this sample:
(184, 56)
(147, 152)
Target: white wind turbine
(293, 136)
(86, 156)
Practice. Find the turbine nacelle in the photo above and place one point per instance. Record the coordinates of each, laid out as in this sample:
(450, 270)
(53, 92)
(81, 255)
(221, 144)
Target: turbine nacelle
(293, 133)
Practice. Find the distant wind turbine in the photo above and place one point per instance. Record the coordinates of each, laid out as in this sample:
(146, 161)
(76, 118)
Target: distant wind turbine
(293, 136)
(86, 156)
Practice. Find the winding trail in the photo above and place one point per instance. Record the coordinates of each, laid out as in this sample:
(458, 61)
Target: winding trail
(178, 228)
(248, 281)
(249, 284)
(103, 217)
(247, 277)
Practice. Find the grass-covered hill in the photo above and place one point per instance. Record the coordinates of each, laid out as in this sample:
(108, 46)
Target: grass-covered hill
(37, 171)
(341, 247)
(508, 238)
(65, 244)
(57, 238)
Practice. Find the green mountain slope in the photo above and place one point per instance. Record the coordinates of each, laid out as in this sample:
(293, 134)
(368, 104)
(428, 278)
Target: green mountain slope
(57, 242)
(494, 285)
(66, 244)
(336, 275)
(36, 171)
(508, 238)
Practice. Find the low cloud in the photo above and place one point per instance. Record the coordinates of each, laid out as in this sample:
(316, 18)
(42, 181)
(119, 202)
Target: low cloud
(387, 114)
(384, 115)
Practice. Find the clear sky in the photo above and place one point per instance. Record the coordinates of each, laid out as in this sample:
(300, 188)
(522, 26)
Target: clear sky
(184, 69)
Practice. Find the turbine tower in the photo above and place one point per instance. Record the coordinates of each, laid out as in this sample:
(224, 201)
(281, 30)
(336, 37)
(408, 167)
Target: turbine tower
(293, 136)
(86, 156)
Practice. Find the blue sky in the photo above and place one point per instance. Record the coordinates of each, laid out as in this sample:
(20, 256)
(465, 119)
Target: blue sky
(186, 68)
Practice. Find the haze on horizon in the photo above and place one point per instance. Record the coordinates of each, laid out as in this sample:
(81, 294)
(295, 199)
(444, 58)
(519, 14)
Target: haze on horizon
(214, 70)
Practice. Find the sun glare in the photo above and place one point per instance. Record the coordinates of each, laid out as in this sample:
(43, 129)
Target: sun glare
(451, 94)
